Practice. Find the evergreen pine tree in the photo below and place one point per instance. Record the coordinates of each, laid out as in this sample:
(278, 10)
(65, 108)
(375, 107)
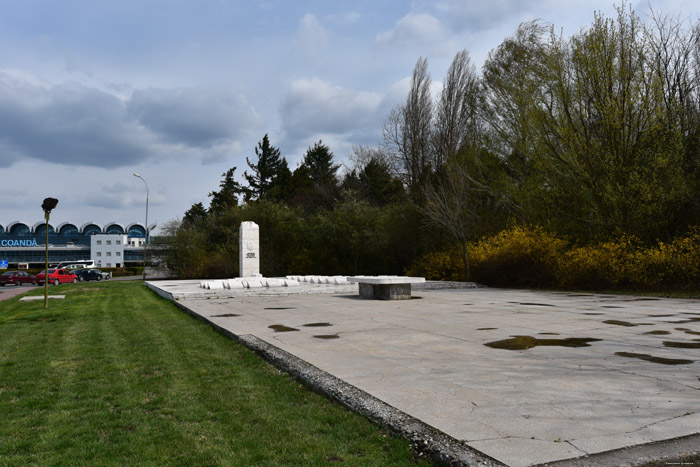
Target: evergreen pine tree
(319, 161)
(227, 196)
(194, 215)
(266, 172)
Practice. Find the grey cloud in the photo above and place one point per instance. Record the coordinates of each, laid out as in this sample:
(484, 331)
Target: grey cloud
(66, 124)
(312, 37)
(75, 125)
(197, 117)
(120, 196)
(413, 28)
(314, 107)
(481, 16)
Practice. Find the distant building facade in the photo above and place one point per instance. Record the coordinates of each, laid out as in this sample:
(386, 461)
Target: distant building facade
(111, 245)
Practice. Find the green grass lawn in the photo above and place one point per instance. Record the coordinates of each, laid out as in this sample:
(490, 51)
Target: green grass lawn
(115, 375)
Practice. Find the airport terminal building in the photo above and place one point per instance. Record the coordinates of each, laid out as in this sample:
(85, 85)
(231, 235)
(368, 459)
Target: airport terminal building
(23, 246)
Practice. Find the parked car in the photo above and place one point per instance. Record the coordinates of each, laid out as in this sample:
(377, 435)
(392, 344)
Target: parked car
(17, 278)
(91, 274)
(56, 276)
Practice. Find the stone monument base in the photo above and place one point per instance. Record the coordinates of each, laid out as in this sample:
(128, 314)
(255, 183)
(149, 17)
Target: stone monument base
(385, 291)
(385, 287)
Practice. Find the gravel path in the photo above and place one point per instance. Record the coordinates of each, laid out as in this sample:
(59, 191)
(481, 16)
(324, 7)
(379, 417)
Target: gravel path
(10, 291)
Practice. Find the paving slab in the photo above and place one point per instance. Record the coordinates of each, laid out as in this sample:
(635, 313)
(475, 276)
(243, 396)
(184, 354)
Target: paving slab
(428, 358)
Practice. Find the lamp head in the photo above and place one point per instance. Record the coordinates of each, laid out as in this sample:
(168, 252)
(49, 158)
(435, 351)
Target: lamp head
(49, 204)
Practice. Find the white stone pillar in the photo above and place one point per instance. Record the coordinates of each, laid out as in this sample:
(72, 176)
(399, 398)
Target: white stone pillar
(249, 249)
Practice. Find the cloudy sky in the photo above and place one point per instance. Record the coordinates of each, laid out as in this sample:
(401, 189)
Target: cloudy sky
(179, 91)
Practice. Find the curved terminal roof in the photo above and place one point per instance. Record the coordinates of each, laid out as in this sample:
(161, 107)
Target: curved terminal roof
(114, 228)
(12, 227)
(90, 227)
(41, 226)
(63, 227)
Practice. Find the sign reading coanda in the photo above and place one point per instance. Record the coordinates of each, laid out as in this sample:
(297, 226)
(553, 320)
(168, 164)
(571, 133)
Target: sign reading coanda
(30, 242)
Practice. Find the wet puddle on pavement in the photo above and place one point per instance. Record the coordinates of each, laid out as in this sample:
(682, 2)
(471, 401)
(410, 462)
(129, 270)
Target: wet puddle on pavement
(528, 342)
(327, 336)
(682, 345)
(617, 322)
(658, 333)
(227, 315)
(690, 320)
(281, 328)
(280, 308)
(317, 325)
(650, 358)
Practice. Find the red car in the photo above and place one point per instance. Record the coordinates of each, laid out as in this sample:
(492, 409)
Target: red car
(17, 278)
(57, 276)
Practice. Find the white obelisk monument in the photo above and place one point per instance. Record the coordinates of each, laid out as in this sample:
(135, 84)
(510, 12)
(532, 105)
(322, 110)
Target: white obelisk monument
(249, 249)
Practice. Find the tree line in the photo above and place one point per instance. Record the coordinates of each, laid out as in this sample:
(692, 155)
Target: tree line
(594, 136)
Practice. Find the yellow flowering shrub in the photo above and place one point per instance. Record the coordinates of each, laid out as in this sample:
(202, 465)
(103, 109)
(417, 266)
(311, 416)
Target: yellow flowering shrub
(669, 264)
(598, 266)
(439, 266)
(532, 257)
(517, 257)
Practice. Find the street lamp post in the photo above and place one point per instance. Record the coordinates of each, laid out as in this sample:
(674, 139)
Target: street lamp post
(146, 226)
(48, 205)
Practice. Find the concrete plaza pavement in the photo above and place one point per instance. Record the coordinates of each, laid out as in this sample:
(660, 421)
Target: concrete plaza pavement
(632, 379)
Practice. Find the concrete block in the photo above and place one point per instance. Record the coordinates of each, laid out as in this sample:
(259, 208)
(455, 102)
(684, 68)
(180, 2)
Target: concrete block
(273, 282)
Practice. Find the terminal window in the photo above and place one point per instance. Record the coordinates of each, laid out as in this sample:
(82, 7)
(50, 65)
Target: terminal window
(99, 242)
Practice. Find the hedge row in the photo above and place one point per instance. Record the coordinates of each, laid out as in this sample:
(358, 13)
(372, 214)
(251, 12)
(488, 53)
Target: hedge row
(533, 257)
